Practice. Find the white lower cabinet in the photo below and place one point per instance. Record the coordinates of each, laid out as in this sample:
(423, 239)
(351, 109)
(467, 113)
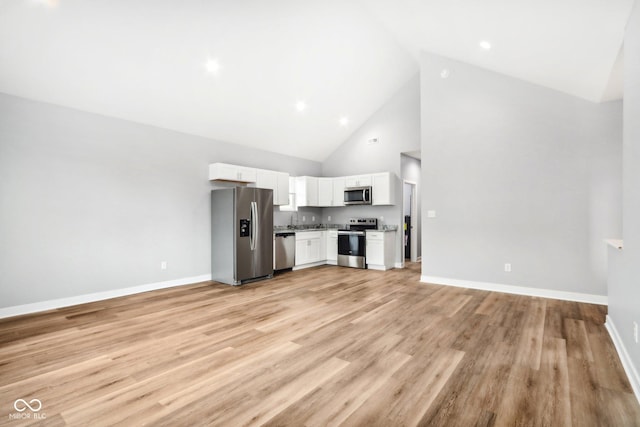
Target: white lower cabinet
(332, 247)
(310, 248)
(380, 250)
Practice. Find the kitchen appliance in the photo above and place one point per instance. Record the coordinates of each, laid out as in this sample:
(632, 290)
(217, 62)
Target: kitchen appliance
(357, 195)
(285, 247)
(241, 234)
(352, 242)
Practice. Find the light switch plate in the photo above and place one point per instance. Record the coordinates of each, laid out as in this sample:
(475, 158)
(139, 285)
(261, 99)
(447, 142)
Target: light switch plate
(431, 214)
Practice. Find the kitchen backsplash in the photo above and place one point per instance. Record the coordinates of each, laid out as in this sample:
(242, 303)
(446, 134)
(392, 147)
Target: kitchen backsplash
(303, 216)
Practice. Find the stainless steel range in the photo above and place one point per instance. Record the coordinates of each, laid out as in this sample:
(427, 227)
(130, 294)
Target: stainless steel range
(352, 242)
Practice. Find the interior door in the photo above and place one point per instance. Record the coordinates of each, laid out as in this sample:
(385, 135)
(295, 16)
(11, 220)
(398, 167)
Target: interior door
(263, 254)
(244, 261)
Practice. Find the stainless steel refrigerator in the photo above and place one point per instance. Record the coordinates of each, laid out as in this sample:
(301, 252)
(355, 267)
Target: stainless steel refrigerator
(241, 234)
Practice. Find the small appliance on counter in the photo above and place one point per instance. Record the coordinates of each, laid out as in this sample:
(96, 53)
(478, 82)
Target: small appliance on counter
(352, 242)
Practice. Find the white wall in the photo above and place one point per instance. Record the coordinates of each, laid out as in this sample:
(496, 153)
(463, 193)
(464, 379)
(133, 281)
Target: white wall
(397, 127)
(517, 174)
(624, 279)
(91, 204)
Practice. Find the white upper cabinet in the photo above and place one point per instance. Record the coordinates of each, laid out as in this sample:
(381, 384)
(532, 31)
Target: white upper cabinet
(267, 179)
(276, 181)
(306, 191)
(282, 189)
(383, 188)
(331, 191)
(260, 178)
(325, 191)
(358, 181)
(234, 173)
(338, 191)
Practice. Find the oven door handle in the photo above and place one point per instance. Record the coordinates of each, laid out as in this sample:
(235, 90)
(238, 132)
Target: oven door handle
(350, 233)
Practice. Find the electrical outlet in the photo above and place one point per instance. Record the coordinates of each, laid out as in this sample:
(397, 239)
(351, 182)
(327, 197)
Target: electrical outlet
(313, 218)
(304, 218)
(329, 218)
(635, 331)
(163, 265)
(381, 219)
(431, 214)
(507, 268)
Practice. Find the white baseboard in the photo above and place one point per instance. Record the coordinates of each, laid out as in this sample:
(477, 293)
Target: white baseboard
(627, 363)
(378, 267)
(519, 290)
(97, 296)
(311, 264)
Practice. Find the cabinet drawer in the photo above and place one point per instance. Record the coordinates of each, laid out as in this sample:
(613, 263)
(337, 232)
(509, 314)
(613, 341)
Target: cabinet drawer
(375, 235)
(305, 235)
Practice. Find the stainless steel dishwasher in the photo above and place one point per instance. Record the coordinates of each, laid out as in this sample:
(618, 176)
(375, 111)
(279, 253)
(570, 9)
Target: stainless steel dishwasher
(285, 250)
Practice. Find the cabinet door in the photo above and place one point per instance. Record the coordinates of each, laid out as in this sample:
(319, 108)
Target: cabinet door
(332, 248)
(358, 181)
(226, 172)
(375, 252)
(351, 181)
(301, 251)
(281, 196)
(301, 191)
(312, 191)
(325, 192)
(364, 180)
(267, 179)
(306, 191)
(383, 189)
(314, 247)
(338, 191)
(323, 246)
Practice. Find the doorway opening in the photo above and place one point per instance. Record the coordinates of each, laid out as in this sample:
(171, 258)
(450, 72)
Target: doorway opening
(411, 221)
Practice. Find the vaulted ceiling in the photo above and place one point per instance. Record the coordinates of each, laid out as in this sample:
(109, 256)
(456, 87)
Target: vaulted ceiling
(290, 76)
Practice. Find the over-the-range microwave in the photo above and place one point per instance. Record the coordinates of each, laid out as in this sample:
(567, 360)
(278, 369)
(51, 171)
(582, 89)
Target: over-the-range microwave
(357, 196)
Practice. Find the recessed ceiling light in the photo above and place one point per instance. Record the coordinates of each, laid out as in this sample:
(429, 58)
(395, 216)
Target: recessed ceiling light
(344, 121)
(301, 106)
(213, 66)
(485, 45)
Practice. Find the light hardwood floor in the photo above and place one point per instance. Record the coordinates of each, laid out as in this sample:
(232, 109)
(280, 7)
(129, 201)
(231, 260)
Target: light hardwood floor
(323, 346)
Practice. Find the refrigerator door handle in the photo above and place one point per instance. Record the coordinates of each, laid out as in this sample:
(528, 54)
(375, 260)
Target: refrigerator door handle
(254, 225)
